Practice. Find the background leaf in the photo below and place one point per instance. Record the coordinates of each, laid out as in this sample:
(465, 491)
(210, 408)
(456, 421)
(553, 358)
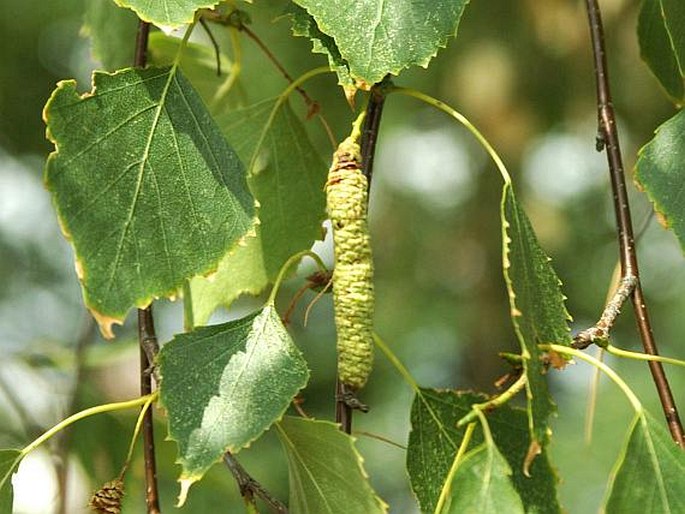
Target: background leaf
(167, 14)
(537, 307)
(223, 385)
(326, 473)
(660, 173)
(482, 485)
(650, 477)
(199, 66)
(287, 171)
(376, 37)
(9, 460)
(112, 32)
(132, 159)
(656, 48)
(434, 441)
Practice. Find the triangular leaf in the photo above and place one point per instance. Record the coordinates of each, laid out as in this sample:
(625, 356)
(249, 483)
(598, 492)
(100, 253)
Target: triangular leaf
(650, 476)
(482, 485)
(303, 25)
(537, 307)
(9, 460)
(377, 37)
(326, 473)
(146, 187)
(660, 172)
(434, 441)
(287, 177)
(224, 385)
(167, 14)
(112, 31)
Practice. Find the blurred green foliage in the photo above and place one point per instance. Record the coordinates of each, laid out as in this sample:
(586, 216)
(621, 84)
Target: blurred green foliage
(522, 72)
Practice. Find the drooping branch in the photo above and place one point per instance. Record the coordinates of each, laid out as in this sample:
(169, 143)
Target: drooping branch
(607, 138)
(147, 340)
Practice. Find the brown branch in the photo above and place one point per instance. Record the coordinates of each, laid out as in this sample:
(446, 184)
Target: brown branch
(148, 344)
(249, 487)
(608, 139)
(147, 340)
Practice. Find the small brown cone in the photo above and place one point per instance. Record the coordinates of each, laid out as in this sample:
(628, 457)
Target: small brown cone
(107, 500)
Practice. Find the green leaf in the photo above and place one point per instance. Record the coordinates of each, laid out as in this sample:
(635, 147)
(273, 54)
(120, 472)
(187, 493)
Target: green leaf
(326, 473)
(9, 460)
(482, 484)
(303, 25)
(223, 385)
(167, 14)
(650, 475)
(146, 187)
(199, 66)
(660, 173)
(377, 37)
(537, 308)
(674, 17)
(287, 178)
(661, 32)
(434, 441)
(112, 31)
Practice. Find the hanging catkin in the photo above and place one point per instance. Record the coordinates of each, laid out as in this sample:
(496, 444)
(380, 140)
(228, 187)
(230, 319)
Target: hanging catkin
(346, 193)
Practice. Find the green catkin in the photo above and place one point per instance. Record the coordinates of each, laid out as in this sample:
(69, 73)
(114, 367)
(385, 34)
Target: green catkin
(346, 193)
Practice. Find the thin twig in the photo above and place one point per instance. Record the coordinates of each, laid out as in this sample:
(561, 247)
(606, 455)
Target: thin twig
(608, 138)
(599, 332)
(147, 340)
(312, 105)
(215, 45)
(249, 487)
(372, 123)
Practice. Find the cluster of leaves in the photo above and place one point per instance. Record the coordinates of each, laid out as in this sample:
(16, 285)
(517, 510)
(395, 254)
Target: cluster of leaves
(161, 180)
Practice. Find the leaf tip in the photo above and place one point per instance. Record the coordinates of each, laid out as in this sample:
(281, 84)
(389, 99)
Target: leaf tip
(534, 450)
(105, 323)
(185, 487)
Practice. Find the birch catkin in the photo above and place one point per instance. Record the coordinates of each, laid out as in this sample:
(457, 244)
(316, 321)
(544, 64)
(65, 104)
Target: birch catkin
(346, 193)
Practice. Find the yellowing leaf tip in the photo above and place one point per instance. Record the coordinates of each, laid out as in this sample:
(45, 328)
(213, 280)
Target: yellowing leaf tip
(185, 487)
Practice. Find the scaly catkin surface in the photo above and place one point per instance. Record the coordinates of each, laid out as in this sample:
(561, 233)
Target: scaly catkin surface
(346, 193)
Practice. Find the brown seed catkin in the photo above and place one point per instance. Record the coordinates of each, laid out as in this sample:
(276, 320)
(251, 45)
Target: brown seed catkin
(107, 500)
(346, 193)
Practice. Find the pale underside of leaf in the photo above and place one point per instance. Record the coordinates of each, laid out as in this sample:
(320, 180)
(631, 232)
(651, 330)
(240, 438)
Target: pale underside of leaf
(325, 470)
(660, 173)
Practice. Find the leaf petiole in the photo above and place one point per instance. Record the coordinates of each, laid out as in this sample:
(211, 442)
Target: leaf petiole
(565, 350)
(288, 264)
(397, 363)
(618, 352)
(497, 401)
(461, 119)
(98, 409)
(447, 485)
